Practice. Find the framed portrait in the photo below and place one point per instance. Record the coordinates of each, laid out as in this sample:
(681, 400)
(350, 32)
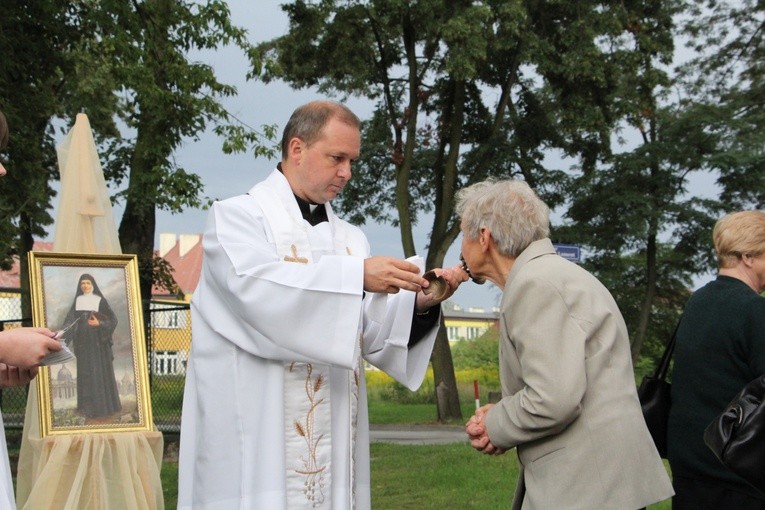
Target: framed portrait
(93, 303)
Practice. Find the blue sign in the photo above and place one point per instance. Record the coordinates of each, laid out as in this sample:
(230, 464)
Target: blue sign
(570, 252)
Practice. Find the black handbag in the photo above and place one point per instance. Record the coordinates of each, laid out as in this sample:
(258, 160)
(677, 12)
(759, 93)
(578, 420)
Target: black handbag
(655, 398)
(737, 435)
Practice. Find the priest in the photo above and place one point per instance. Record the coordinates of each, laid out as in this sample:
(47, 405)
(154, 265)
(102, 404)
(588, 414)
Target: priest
(289, 305)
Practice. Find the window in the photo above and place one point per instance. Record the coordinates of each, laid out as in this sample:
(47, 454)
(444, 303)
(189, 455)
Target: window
(169, 319)
(169, 362)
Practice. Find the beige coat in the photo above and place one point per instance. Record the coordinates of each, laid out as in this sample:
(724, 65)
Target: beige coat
(569, 402)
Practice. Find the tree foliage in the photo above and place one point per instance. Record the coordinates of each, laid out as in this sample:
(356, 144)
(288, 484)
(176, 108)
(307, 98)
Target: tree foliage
(129, 66)
(163, 97)
(464, 91)
(727, 77)
(37, 41)
(478, 353)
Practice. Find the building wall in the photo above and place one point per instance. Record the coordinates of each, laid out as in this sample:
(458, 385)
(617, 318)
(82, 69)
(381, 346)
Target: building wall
(466, 328)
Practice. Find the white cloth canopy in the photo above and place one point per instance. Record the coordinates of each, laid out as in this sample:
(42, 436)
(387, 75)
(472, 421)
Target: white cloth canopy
(86, 471)
(84, 222)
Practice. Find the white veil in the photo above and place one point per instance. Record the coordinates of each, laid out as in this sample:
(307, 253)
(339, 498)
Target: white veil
(84, 222)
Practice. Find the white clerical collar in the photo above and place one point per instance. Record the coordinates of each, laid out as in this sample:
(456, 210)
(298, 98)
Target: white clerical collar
(88, 302)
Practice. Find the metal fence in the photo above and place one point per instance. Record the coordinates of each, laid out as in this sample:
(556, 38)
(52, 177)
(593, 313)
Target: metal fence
(168, 340)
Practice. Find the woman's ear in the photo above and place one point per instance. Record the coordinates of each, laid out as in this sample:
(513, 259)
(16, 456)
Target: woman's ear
(484, 238)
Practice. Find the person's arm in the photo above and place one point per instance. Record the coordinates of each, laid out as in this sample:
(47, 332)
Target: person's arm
(107, 321)
(423, 323)
(427, 309)
(387, 342)
(756, 316)
(273, 308)
(549, 344)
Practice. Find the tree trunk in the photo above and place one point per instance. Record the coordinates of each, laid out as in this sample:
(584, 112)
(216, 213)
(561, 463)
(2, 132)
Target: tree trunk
(650, 294)
(136, 231)
(25, 246)
(447, 398)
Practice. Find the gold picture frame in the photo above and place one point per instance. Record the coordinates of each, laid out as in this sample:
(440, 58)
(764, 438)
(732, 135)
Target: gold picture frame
(94, 302)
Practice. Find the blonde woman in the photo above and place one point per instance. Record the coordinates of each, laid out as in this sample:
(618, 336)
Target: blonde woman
(720, 347)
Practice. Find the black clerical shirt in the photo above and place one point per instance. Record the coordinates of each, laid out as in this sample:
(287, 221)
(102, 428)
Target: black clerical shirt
(421, 323)
(318, 215)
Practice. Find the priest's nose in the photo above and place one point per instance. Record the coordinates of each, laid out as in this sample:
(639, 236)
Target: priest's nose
(344, 170)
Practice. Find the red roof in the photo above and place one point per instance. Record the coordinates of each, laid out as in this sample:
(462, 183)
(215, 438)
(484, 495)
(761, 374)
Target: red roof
(187, 267)
(11, 278)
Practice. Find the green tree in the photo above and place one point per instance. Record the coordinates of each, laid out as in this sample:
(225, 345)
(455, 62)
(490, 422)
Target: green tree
(163, 97)
(648, 239)
(727, 77)
(36, 79)
(129, 66)
(463, 90)
(645, 235)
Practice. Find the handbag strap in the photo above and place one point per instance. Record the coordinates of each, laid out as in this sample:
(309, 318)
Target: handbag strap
(663, 368)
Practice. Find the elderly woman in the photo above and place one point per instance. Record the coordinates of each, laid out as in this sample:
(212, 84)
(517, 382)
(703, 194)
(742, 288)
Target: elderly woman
(21, 350)
(569, 403)
(720, 347)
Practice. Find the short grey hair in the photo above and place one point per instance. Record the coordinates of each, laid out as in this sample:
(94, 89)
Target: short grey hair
(510, 209)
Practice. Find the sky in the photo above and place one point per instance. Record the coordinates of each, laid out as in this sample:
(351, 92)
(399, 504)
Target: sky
(257, 104)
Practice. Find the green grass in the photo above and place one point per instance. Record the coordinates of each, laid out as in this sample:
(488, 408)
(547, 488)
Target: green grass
(447, 477)
(167, 397)
(169, 477)
(384, 412)
(403, 476)
(452, 476)
(440, 476)
(444, 476)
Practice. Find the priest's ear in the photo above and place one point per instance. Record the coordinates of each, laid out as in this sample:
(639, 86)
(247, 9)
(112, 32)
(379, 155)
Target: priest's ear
(295, 149)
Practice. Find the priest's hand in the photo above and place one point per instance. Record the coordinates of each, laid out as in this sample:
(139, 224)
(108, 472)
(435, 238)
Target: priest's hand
(390, 275)
(453, 276)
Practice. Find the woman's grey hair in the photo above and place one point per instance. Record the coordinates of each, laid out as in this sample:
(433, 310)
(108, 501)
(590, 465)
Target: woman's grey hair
(738, 234)
(308, 121)
(510, 209)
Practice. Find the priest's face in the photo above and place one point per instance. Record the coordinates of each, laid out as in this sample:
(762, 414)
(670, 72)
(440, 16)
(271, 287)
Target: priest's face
(324, 167)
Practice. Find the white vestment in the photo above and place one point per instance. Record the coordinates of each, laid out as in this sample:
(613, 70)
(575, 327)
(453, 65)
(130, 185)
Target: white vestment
(7, 500)
(274, 409)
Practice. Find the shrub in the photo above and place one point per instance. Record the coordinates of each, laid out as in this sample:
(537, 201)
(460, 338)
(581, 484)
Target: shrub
(479, 353)
(383, 387)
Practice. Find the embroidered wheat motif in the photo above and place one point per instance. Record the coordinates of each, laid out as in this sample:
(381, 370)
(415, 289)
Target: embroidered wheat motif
(313, 486)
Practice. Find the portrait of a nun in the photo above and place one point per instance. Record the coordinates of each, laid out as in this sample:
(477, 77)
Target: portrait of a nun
(93, 323)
